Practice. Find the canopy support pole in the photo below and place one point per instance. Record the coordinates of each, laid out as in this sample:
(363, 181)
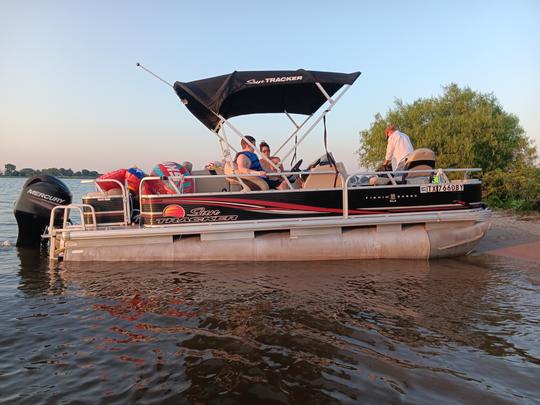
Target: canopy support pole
(225, 146)
(332, 103)
(215, 131)
(298, 128)
(226, 150)
(323, 91)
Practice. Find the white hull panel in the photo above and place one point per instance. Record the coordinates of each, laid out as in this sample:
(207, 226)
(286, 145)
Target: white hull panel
(455, 235)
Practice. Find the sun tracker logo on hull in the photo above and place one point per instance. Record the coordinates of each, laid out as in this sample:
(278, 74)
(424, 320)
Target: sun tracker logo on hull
(174, 211)
(175, 214)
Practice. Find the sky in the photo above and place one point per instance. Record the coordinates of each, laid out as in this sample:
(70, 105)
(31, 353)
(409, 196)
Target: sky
(72, 96)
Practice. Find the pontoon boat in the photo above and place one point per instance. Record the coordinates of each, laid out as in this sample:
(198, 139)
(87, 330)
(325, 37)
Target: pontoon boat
(324, 213)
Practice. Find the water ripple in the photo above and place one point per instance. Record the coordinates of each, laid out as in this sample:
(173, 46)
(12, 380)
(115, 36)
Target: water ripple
(449, 331)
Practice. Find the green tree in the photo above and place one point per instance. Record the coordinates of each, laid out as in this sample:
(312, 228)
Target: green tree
(66, 172)
(27, 172)
(51, 171)
(10, 169)
(517, 188)
(463, 127)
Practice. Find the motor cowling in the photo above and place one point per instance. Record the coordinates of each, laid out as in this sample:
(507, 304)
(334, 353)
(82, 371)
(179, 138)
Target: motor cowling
(40, 194)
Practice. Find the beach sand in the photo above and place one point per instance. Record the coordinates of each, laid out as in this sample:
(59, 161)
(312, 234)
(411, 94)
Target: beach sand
(513, 236)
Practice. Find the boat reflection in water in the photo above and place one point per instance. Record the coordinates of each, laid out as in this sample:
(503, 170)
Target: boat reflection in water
(286, 332)
(38, 276)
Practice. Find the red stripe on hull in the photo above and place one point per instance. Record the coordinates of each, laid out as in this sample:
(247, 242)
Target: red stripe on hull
(264, 205)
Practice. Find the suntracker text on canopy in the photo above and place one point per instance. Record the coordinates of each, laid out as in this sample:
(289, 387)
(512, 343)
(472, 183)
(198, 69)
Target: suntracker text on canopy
(256, 92)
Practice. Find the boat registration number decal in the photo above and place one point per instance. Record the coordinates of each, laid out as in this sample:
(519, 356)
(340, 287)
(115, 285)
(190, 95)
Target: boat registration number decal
(436, 188)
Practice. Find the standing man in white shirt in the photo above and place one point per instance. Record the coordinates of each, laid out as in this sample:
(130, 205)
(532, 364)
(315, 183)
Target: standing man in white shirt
(398, 149)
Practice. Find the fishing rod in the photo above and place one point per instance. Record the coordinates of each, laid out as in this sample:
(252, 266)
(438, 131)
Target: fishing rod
(153, 74)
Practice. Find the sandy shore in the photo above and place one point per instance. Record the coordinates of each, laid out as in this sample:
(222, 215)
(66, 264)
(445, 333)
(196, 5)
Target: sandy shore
(513, 236)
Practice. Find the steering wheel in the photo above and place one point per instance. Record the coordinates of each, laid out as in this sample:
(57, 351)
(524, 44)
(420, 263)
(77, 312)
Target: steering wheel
(384, 168)
(295, 168)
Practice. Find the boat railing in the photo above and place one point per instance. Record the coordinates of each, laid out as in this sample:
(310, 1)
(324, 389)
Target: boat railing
(52, 230)
(88, 214)
(168, 179)
(126, 202)
(177, 182)
(392, 175)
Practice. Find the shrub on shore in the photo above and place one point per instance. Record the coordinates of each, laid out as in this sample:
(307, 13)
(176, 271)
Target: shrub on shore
(517, 188)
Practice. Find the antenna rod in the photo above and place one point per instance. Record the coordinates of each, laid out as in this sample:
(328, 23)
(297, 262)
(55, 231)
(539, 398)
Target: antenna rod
(153, 74)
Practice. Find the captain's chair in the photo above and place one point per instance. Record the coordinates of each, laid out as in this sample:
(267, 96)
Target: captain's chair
(330, 179)
(420, 159)
(250, 183)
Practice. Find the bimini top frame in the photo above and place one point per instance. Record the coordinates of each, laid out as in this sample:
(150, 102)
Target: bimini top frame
(213, 101)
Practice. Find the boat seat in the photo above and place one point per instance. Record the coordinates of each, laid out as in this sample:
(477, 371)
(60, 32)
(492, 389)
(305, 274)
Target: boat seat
(251, 183)
(212, 184)
(114, 191)
(325, 180)
(420, 159)
(105, 194)
(379, 181)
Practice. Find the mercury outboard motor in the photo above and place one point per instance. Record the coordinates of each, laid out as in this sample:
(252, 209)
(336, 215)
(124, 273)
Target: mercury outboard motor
(40, 194)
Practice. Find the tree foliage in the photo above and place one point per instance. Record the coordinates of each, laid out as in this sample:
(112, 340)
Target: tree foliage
(463, 127)
(11, 171)
(517, 188)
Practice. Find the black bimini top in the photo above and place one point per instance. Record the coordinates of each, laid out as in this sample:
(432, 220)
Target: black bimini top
(242, 93)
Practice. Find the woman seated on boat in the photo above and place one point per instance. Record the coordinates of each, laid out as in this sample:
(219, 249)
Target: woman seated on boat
(248, 163)
(265, 150)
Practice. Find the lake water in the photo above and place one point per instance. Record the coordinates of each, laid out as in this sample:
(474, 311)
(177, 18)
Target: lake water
(450, 331)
